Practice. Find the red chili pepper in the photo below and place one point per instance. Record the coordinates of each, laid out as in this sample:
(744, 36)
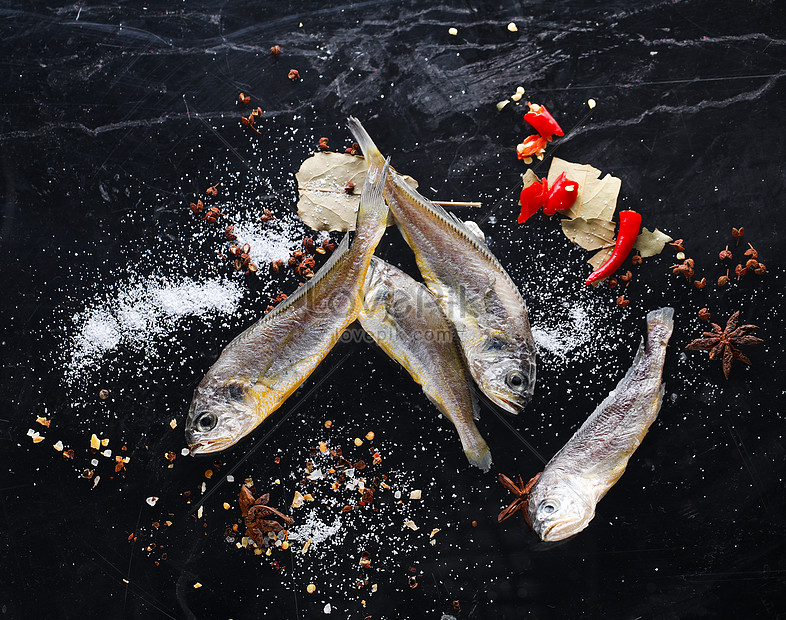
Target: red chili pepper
(562, 195)
(543, 122)
(630, 224)
(532, 198)
(532, 145)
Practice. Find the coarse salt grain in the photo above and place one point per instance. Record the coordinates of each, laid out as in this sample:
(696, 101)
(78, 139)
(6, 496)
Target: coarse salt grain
(152, 500)
(512, 27)
(415, 494)
(591, 103)
(173, 423)
(58, 446)
(453, 31)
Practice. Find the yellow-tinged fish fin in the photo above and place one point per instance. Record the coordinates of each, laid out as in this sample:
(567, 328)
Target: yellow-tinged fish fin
(370, 150)
(329, 265)
(373, 211)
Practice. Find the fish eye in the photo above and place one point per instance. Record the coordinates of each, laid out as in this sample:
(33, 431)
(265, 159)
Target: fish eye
(516, 380)
(548, 506)
(207, 421)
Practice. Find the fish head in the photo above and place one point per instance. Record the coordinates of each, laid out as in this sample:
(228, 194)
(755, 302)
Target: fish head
(220, 415)
(506, 377)
(559, 508)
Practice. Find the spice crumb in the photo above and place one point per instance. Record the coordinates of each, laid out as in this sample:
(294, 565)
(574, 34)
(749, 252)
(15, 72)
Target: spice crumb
(311, 588)
(173, 423)
(358, 441)
(197, 585)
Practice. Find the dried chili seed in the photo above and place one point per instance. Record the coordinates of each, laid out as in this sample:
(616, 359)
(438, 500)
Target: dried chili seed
(252, 268)
(346, 509)
(724, 280)
(353, 150)
(277, 266)
(294, 74)
(212, 191)
(103, 394)
(626, 277)
(700, 284)
(677, 245)
(228, 234)
(724, 254)
(704, 314)
(196, 208)
(322, 145)
(360, 465)
(349, 188)
(751, 251)
(243, 99)
(235, 250)
(275, 50)
(636, 259)
(751, 263)
(267, 215)
(298, 254)
(737, 233)
(612, 283)
(622, 302)
(308, 244)
(760, 270)
(740, 271)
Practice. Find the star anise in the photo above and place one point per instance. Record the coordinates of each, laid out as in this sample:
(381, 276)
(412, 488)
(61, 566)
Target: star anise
(724, 343)
(255, 512)
(521, 491)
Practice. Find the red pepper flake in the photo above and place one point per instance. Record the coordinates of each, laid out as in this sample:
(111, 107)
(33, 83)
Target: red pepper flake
(630, 224)
(322, 145)
(532, 198)
(196, 208)
(294, 74)
(532, 145)
(243, 99)
(562, 195)
(212, 191)
(275, 50)
(542, 121)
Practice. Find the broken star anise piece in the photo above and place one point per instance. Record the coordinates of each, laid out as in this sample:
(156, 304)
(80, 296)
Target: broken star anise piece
(724, 343)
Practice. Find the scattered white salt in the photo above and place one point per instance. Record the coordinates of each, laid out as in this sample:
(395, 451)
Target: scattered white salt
(327, 608)
(136, 312)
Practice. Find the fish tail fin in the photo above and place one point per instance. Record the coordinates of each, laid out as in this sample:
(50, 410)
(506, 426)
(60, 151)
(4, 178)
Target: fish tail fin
(660, 324)
(373, 211)
(477, 451)
(370, 150)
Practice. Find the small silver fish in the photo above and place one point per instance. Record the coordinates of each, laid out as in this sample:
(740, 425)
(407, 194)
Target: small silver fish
(562, 500)
(405, 320)
(476, 293)
(259, 369)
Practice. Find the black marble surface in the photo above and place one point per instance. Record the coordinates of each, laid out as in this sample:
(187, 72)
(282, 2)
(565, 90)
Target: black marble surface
(114, 116)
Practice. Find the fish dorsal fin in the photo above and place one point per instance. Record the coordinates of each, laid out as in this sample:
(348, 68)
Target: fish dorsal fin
(329, 265)
(452, 222)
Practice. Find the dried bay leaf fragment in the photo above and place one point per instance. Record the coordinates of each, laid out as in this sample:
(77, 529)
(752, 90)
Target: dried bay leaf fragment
(324, 203)
(597, 197)
(590, 234)
(651, 243)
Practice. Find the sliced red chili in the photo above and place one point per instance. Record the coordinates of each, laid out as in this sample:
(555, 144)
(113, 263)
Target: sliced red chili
(532, 145)
(562, 195)
(543, 122)
(630, 224)
(532, 198)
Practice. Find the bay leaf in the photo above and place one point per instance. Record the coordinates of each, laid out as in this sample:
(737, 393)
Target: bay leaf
(323, 203)
(597, 198)
(651, 243)
(590, 234)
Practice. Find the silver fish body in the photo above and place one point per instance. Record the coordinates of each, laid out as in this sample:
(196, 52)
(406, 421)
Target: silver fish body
(259, 369)
(475, 292)
(405, 320)
(563, 499)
